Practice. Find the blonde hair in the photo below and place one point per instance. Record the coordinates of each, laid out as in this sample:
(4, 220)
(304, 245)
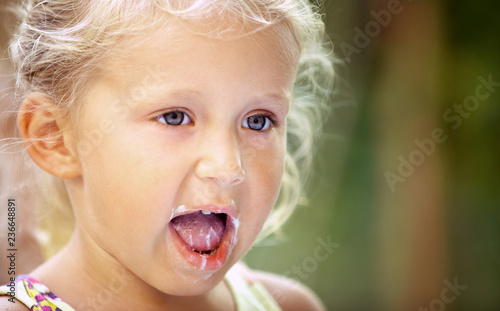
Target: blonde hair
(60, 44)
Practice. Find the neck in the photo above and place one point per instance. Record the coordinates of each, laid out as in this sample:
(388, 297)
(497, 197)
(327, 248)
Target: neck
(86, 277)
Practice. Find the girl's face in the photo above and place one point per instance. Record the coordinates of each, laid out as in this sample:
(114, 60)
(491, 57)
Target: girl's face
(183, 124)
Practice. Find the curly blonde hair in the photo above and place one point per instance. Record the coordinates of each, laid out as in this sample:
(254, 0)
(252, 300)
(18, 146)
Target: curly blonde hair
(60, 45)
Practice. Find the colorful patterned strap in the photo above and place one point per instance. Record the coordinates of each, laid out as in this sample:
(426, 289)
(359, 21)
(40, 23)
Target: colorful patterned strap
(35, 295)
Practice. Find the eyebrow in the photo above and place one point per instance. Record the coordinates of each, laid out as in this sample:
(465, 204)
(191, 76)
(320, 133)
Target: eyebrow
(184, 94)
(174, 96)
(279, 101)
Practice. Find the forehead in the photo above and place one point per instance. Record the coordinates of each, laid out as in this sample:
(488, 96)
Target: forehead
(182, 40)
(150, 68)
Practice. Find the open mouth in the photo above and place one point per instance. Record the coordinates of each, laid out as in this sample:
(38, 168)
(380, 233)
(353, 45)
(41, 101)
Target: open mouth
(201, 231)
(204, 239)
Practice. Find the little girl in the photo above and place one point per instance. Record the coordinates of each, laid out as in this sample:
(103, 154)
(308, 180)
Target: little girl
(174, 125)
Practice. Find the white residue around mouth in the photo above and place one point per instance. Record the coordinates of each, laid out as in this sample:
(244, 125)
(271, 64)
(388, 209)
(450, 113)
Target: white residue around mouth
(234, 240)
(203, 262)
(177, 210)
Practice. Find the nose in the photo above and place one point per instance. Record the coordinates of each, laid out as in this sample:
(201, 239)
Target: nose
(220, 159)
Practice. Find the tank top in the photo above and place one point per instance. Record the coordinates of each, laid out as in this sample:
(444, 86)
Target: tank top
(248, 295)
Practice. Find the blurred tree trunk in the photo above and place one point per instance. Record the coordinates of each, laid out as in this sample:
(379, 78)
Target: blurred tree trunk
(411, 243)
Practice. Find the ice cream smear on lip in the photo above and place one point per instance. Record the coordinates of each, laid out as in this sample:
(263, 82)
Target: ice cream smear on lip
(177, 210)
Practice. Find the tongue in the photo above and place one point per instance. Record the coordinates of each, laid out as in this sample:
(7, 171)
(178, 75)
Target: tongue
(199, 231)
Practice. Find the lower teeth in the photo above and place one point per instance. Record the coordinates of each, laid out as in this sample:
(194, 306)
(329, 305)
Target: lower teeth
(210, 252)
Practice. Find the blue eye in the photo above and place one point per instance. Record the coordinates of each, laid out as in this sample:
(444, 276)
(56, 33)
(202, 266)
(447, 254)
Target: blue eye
(174, 118)
(257, 122)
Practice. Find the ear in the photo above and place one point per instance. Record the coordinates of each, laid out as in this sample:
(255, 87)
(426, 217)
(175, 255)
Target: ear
(45, 136)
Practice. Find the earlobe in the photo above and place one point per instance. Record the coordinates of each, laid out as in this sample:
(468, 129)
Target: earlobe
(42, 126)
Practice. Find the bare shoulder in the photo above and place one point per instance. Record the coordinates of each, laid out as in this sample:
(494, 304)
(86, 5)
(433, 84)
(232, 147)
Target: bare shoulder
(7, 305)
(289, 294)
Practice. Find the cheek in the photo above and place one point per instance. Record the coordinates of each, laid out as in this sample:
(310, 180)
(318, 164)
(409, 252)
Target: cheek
(264, 174)
(266, 167)
(119, 187)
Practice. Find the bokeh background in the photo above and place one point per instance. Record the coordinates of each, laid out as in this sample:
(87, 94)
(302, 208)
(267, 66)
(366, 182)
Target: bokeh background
(408, 224)
(401, 79)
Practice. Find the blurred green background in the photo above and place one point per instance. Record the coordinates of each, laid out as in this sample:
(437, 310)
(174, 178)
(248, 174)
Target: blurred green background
(398, 83)
(402, 234)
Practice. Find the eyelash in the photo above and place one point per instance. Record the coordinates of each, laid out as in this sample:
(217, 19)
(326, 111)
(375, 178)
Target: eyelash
(269, 122)
(269, 118)
(163, 116)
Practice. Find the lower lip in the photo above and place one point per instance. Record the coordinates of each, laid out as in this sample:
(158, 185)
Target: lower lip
(204, 261)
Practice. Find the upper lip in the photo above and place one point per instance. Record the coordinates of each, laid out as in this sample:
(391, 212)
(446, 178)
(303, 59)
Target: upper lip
(213, 208)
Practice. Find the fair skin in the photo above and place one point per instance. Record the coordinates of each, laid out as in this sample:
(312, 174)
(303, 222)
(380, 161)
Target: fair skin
(187, 140)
